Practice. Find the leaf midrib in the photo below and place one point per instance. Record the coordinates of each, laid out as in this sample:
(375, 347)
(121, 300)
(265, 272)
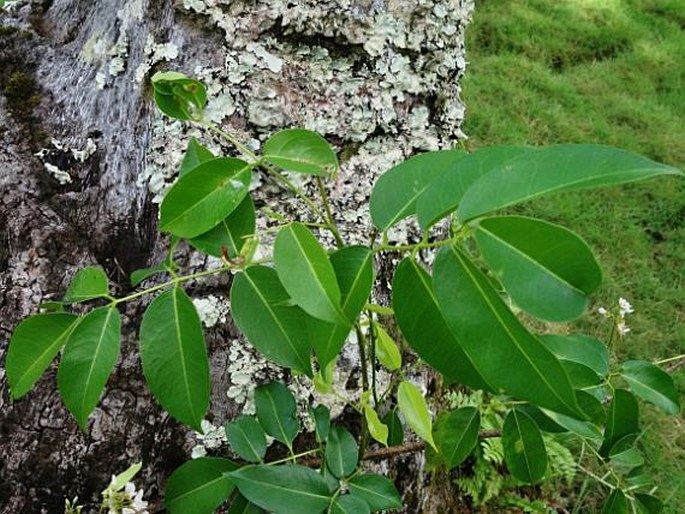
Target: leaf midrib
(179, 339)
(98, 347)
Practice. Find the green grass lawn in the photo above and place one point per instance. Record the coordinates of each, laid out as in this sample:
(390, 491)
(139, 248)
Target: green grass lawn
(612, 72)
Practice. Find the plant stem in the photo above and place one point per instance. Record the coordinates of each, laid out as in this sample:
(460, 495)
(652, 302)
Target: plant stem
(669, 359)
(329, 215)
(293, 456)
(411, 247)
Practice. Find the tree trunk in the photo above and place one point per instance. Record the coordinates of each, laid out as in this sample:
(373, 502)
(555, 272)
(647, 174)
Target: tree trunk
(379, 78)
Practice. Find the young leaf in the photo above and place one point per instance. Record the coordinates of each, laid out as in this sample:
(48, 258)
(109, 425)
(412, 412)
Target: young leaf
(322, 420)
(652, 384)
(376, 428)
(89, 356)
(195, 155)
(277, 412)
(119, 481)
(306, 273)
(33, 346)
(395, 428)
(349, 504)
(387, 352)
(341, 452)
(547, 270)
(616, 503)
(456, 434)
(88, 283)
(422, 324)
(413, 407)
(585, 350)
(301, 150)
(377, 491)
(557, 168)
(174, 357)
(259, 309)
(395, 193)
(444, 193)
(494, 339)
(199, 486)
(289, 489)
(247, 438)
(524, 449)
(198, 201)
(141, 274)
(230, 235)
(178, 96)
(622, 420)
(242, 505)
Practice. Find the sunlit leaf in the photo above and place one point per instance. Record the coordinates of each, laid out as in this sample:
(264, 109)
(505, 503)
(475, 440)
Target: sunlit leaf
(413, 407)
(652, 384)
(376, 428)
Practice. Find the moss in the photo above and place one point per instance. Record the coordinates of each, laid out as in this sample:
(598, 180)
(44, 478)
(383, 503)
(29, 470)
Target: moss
(23, 96)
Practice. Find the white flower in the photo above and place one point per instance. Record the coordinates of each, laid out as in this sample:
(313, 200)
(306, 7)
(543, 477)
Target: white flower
(603, 311)
(623, 329)
(624, 307)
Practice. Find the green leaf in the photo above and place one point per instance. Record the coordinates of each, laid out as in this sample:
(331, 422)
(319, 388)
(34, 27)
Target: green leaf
(88, 283)
(395, 428)
(119, 481)
(260, 311)
(424, 328)
(553, 169)
(395, 193)
(140, 275)
(377, 491)
(277, 412)
(306, 273)
(231, 232)
(195, 155)
(547, 270)
(289, 489)
(456, 434)
(591, 406)
(89, 357)
(376, 428)
(625, 455)
(413, 407)
(198, 201)
(341, 452)
(199, 486)
(652, 384)
(585, 350)
(322, 421)
(387, 352)
(622, 420)
(353, 267)
(524, 448)
(301, 150)
(247, 438)
(174, 357)
(582, 428)
(33, 346)
(178, 96)
(616, 503)
(443, 194)
(581, 376)
(349, 504)
(241, 505)
(648, 504)
(494, 339)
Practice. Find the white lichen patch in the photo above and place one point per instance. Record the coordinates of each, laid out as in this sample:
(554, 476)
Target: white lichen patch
(59, 175)
(211, 309)
(211, 438)
(63, 150)
(154, 53)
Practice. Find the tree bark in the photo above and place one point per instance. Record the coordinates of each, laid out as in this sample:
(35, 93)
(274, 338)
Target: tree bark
(379, 78)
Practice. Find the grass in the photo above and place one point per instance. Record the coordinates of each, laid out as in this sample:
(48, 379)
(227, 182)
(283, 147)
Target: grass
(612, 72)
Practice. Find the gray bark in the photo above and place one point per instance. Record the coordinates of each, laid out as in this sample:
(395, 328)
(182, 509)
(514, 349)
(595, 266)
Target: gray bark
(379, 78)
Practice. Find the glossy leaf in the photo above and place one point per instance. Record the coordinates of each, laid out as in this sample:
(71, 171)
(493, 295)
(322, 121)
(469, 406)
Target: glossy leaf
(494, 339)
(307, 274)
(88, 359)
(585, 350)
(289, 489)
(553, 169)
(322, 421)
(395, 428)
(524, 449)
(242, 505)
(178, 96)
(422, 325)
(88, 283)
(199, 486)
(616, 503)
(353, 266)
(651, 384)
(195, 155)
(395, 193)
(231, 232)
(377, 491)
(456, 434)
(412, 405)
(198, 201)
(622, 420)
(277, 412)
(376, 427)
(349, 504)
(174, 357)
(247, 438)
(33, 346)
(387, 352)
(341, 452)
(648, 504)
(302, 151)
(582, 428)
(139, 275)
(546, 269)
(260, 309)
(444, 193)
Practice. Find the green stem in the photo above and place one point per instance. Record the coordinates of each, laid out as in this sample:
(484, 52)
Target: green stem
(412, 247)
(293, 456)
(329, 215)
(228, 137)
(669, 359)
